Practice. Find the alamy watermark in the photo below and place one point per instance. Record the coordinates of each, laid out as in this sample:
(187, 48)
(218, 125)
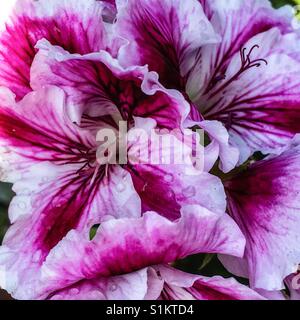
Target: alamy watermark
(150, 146)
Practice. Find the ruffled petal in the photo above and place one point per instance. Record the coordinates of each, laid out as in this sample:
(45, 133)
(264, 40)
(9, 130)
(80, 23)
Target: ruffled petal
(137, 243)
(50, 202)
(250, 80)
(164, 35)
(165, 176)
(97, 84)
(132, 286)
(293, 284)
(219, 147)
(259, 108)
(37, 129)
(183, 286)
(75, 25)
(236, 21)
(264, 201)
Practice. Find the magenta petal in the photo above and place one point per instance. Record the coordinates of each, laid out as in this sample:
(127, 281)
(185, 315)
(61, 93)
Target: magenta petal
(183, 286)
(164, 35)
(50, 202)
(260, 107)
(236, 22)
(250, 80)
(137, 243)
(97, 84)
(75, 25)
(264, 201)
(132, 286)
(37, 129)
(167, 186)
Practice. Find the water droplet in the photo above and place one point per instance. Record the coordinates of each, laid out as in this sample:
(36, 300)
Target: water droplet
(26, 192)
(46, 179)
(36, 257)
(169, 178)
(22, 205)
(203, 25)
(121, 187)
(145, 187)
(170, 194)
(74, 291)
(189, 192)
(113, 287)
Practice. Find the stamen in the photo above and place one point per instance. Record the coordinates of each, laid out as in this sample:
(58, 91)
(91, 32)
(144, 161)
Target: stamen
(246, 64)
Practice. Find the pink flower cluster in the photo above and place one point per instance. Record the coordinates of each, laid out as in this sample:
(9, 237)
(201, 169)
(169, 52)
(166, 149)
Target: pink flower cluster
(85, 230)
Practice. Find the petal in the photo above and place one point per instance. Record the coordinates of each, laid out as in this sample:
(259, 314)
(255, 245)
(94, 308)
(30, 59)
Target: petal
(132, 286)
(264, 201)
(272, 295)
(239, 89)
(181, 286)
(164, 175)
(236, 21)
(293, 284)
(37, 129)
(137, 243)
(260, 107)
(75, 25)
(164, 35)
(219, 147)
(52, 200)
(98, 85)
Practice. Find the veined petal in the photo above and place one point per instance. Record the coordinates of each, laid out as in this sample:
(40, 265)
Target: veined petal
(264, 201)
(164, 35)
(236, 21)
(137, 243)
(37, 129)
(249, 80)
(75, 25)
(259, 108)
(98, 85)
(165, 175)
(52, 200)
(183, 286)
(132, 286)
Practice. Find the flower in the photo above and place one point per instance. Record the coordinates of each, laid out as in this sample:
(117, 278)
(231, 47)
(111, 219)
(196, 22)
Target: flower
(242, 68)
(59, 184)
(113, 265)
(178, 285)
(76, 26)
(264, 201)
(88, 225)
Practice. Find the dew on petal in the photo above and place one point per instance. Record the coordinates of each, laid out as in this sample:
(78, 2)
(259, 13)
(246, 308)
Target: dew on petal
(74, 291)
(189, 192)
(169, 178)
(113, 287)
(121, 187)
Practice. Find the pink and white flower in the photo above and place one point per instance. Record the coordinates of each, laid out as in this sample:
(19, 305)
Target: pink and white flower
(264, 201)
(115, 263)
(76, 26)
(61, 187)
(69, 69)
(242, 68)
